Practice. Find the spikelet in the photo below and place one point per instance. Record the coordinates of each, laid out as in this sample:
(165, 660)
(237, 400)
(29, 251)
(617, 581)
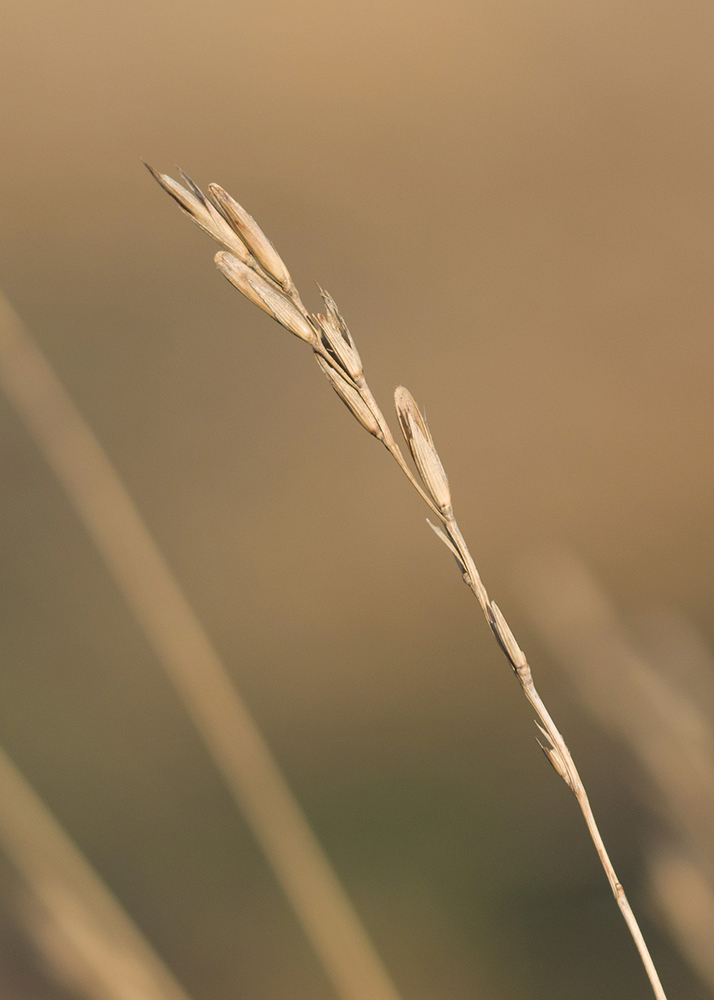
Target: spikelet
(416, 434)
(198, 208)
(337, 339)
(252, 235)
(255, 287)
(350, 397)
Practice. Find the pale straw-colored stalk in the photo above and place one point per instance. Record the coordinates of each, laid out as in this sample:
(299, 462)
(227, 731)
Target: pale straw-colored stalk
(660, 710)
(666, 726)
(82, 930)
(338, 359)
(191, 663)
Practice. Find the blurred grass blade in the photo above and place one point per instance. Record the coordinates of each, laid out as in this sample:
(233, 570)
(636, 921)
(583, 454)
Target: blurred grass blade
(685, 898)
(192, 664)
(97, 947)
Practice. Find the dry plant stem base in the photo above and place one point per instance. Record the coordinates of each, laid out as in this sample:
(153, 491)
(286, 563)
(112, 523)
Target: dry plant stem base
(267, 283)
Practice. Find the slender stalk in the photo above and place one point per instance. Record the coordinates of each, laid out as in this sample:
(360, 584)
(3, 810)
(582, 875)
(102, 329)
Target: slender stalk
(343, 366)
(558, 754)
(661, 706)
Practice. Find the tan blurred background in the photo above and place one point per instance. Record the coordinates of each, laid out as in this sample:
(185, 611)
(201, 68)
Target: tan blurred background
(513, 205)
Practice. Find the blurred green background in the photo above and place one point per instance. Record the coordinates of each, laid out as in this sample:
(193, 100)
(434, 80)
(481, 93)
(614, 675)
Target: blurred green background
(513, 205)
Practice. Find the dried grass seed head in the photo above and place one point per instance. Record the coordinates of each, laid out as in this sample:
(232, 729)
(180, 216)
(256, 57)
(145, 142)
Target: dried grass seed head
(200, 210)
(350, 397)
(252, 235)
(417, 435)
(255, 287)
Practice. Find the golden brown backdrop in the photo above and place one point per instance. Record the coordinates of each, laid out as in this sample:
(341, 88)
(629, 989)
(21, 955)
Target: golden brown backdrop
(513, 205)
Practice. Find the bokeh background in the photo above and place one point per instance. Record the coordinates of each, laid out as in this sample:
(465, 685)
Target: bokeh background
(513, 205)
